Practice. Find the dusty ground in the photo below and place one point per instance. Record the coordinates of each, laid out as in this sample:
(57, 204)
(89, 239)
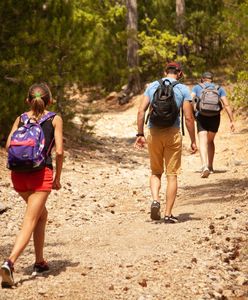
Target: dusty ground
(100, 242)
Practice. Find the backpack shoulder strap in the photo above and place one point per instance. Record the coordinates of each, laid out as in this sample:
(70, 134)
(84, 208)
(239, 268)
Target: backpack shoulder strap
(167, 80)
(49, 115)
(174, 83)
(202, 85)
(24, 118)
(161, 82)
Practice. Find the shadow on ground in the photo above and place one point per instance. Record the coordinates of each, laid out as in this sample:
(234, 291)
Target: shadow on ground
(215, 171)
(56, 268)
(222, 190)
(185, 217)
(110, 150)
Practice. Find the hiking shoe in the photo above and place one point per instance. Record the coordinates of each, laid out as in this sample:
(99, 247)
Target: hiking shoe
(205, 172)
(6, 272)
(40, 268)
(170, 219)
(155, 210)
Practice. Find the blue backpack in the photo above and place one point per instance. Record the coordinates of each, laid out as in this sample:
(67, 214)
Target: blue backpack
(26, 151)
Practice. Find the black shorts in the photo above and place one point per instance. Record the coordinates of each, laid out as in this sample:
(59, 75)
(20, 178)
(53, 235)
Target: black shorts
(207, 123)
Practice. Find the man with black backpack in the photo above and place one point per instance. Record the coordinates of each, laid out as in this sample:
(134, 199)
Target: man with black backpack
(209, 99)
(165, 97)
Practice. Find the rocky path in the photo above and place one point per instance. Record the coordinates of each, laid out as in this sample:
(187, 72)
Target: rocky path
(101, 243)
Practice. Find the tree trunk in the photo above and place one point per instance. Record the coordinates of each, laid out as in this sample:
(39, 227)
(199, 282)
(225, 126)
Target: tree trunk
(132, 47)
(180, 12)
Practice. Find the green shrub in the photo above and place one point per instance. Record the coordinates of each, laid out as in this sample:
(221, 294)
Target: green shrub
(239, 93)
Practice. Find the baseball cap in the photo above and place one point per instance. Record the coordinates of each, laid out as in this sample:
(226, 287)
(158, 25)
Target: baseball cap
(174, 65)
(208, 75)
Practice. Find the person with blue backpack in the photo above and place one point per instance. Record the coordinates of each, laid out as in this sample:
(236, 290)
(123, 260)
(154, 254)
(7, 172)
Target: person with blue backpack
(29, 145)
(209, 99)
(165, 98)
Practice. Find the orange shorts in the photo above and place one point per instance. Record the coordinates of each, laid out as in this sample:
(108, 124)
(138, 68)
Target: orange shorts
(165, 150)
(33, 181)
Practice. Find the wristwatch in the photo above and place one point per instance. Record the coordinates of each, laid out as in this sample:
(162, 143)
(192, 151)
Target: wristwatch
(139, 134)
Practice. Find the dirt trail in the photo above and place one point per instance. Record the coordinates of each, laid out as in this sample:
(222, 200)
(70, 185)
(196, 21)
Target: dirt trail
(101, 243)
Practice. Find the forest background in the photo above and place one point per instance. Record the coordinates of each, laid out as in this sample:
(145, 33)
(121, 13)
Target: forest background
(107, 44)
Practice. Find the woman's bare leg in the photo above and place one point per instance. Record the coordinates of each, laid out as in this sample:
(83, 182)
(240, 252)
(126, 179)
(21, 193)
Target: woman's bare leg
(35, 205)
(211, 148)
(203, 145)
(39, 236)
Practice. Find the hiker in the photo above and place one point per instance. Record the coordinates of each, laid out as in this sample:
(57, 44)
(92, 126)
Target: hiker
(164, 139)
(34, 182)
(208, 118)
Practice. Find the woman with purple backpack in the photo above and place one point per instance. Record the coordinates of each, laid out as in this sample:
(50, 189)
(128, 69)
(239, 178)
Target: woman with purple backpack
(32, 176)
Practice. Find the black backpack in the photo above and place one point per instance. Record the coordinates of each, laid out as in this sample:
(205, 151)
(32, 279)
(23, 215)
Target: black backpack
(209, 103)
(163, 109)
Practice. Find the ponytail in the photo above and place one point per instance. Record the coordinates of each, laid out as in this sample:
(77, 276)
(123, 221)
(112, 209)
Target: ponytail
(39, 95)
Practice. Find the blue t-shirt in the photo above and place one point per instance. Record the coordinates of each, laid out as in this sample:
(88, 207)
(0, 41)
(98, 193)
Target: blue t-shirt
(197, 89)
(181, 91)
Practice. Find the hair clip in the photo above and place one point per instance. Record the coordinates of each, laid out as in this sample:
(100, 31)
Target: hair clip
(37, 95)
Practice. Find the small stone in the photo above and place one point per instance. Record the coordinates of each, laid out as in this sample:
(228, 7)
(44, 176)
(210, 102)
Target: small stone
(42, 292)
(228, 293)
(239, 293)
(211, 226)
(3, 208)
(219, 217)
(218, 289)
(235, 267)
(111, 287)
(217, 295)
(234, 254)
(143, 283)
(242, 280)
(194, 260)
(226, 260)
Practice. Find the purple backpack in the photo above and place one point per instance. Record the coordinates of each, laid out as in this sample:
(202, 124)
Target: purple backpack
(26, 151)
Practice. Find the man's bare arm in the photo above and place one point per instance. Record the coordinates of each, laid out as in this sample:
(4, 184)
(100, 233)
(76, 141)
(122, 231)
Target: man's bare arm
(140, 141)
(141, 113)
(190, 123)
(228, 110)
